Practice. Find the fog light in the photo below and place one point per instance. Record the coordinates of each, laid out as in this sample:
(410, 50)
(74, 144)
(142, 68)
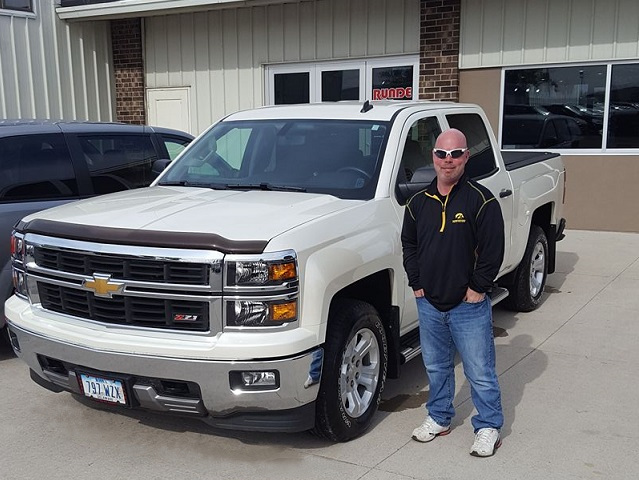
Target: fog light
(254, 380)
(13, 339)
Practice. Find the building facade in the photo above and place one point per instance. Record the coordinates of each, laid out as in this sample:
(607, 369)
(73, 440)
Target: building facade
(560, 75)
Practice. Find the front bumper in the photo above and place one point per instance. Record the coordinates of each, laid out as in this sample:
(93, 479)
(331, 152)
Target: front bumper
(203, 386)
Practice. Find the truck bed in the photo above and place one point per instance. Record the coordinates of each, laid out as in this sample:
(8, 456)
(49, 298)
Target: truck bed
(514, 160)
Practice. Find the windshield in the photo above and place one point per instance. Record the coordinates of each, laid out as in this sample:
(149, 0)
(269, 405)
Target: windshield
(341, 158)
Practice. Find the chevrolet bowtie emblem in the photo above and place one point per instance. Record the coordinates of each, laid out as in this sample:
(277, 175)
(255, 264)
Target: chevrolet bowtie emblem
(102, 286)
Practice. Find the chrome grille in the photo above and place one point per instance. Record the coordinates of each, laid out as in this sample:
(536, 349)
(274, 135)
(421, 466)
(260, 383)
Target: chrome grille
(129, 310)
(122, 267)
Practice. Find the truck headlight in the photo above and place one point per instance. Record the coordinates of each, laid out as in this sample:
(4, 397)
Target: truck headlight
(270, 269)
(258, 313)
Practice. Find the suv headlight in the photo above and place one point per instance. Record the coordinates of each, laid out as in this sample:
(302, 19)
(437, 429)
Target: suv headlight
(18, 254)
(17, 246)
(261, 290)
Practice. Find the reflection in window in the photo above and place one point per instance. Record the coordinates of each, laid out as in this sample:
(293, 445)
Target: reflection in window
(560, 107)
(118, 162)
(623, 120)
(340, 85)
(36, 167)
(292, 88)
(394, 83)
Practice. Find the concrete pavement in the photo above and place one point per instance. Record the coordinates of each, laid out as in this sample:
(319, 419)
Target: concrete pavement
(568, 373)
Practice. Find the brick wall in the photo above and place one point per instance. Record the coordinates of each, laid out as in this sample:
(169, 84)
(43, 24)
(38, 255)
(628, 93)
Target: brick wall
(128, 66)
(439, 50)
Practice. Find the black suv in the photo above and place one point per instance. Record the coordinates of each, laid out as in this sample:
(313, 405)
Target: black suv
(47, 163)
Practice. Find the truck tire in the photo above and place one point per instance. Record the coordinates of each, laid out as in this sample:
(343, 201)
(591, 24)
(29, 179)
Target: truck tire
(354, 371)
(530, 278)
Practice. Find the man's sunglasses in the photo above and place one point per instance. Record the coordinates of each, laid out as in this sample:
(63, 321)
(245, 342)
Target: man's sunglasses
(441, 153)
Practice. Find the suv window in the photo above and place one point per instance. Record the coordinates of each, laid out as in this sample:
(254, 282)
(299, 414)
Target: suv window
(118, 162)
(482, 158)
(174, 145)
(36, 167)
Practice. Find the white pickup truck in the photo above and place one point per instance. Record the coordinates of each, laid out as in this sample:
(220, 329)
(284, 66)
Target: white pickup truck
(258, 283)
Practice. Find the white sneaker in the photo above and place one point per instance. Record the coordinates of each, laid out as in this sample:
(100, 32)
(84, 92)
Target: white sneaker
(428, 430)
(487, 440)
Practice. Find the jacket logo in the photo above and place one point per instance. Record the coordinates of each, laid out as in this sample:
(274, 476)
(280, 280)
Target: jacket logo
(102, 286)
(459, 218)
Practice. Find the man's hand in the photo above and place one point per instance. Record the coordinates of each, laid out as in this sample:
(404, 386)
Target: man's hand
(472, 296)
(419, 293)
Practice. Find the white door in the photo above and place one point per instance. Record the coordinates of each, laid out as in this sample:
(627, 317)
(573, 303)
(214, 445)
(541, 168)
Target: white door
(169, 107)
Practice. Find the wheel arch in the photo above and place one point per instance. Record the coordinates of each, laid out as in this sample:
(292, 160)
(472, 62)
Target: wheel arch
(377, 290)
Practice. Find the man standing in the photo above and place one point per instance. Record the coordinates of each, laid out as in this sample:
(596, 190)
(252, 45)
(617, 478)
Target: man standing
(453, 246)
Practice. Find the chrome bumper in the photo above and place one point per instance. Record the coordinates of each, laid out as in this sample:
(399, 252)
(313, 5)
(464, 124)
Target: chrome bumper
(289, 407)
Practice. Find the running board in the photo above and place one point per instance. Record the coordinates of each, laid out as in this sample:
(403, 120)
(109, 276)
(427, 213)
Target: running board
(410, 342)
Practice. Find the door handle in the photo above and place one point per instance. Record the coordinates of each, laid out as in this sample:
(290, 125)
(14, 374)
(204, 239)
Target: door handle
(505, 193)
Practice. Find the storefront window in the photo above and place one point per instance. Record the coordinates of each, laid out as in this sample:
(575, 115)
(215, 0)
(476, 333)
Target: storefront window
(559, 107)
(340, 85)
(623, 119)
(292, 88)
(393, 83)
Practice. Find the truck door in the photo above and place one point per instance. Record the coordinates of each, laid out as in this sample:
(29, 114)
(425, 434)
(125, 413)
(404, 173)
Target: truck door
(415, 167)
(485, 166)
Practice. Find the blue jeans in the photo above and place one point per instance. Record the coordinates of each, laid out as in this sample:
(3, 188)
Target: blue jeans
(467, 328)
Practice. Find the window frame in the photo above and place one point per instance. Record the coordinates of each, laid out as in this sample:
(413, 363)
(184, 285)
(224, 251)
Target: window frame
(315, 70)
(604, 150)
(18, 13)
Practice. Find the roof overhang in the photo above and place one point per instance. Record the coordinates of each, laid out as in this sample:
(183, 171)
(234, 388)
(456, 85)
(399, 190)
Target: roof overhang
(110, 9)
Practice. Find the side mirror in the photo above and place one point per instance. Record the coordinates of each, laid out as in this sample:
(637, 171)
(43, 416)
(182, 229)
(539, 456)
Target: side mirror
(158, 166)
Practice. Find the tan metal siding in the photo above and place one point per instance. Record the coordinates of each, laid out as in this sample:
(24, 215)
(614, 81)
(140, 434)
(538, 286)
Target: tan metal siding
(220, 54)
(525, 32)
(51, 69)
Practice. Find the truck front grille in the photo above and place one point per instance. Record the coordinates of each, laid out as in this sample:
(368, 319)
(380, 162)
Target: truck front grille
(126, 310)
(121, 266)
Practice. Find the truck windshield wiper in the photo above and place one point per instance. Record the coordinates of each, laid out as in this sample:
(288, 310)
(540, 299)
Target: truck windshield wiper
(264, 186)
(186, 183)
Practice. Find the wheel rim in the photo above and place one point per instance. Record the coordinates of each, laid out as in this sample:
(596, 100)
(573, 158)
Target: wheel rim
(537, 269)
(359, 372)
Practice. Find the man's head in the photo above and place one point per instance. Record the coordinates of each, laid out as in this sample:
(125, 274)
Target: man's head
(450, 156)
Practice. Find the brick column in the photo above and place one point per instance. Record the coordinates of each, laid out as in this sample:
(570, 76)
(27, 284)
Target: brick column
(128, 66)
(439, 50)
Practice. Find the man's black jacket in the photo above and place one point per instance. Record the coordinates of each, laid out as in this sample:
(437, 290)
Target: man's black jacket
(452, 244)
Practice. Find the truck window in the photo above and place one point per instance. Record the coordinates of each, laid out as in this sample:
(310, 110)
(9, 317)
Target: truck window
(118, 162)
(417, 161)
(482, 158)
(36, 167)
(338, 157)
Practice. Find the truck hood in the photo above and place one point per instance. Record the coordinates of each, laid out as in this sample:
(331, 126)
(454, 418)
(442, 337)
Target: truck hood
(235, 215)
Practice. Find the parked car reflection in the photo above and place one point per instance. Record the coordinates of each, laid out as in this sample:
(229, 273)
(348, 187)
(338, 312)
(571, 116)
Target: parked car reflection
(542, 131)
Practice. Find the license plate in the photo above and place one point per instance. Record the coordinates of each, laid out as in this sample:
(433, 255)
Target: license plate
(103, 389)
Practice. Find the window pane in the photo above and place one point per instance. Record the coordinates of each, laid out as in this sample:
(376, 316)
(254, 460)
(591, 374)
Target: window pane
(482, 157)
(118, 162)
(393, 83)
(340, 85)
(535, 98)
(22, 5)
(292, 88)
(36, 167)
(417, 160)
(341, 158)
(623, 122)
(174, 145)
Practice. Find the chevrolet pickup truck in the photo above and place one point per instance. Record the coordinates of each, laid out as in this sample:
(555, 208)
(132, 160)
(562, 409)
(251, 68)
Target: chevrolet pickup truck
(258, 283)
